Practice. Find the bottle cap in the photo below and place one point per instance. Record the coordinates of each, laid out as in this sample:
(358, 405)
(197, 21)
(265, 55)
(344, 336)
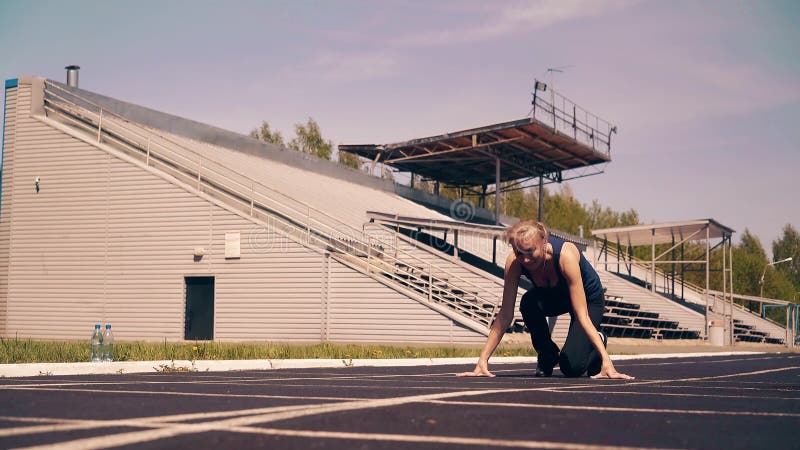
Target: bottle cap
(108, 326)
(97, 325)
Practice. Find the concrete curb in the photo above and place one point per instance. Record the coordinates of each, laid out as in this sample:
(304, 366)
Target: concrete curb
(129, 367)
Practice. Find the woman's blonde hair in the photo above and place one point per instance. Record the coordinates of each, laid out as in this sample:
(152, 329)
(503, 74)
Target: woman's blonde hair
(525, 231)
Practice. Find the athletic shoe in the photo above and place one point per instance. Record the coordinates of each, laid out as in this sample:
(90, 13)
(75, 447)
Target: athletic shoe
(604, 338)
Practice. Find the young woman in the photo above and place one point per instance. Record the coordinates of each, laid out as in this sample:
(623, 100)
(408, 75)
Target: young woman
(563, 282)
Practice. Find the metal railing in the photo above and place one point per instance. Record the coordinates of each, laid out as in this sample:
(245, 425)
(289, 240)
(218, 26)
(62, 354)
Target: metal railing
(285, 214)
(631, 261)
(566, 117)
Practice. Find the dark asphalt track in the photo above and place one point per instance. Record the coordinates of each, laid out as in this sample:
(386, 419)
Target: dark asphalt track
(711, 402)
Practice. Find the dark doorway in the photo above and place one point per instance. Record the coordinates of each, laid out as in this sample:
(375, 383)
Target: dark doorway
(199, 323)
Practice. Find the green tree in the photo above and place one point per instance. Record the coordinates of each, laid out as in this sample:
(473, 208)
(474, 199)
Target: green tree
(749, 259)
(749, 263)
(788, 246)
(264, 133)
(309, 140)
(349, 159)
(562, 211)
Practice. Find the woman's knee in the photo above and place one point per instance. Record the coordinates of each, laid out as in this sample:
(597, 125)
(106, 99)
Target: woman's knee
(570, 368)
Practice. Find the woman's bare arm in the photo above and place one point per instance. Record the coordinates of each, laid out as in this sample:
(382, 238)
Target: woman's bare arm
(503, 319)
(570, 268)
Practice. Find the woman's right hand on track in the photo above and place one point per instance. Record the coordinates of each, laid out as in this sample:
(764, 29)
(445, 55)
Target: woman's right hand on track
(608, 371)
(481, 370)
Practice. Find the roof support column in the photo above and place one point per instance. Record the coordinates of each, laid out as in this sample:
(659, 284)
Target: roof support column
(725, 277)
(730, 279)
(708, 250)
(672, 255)
(494, 250)
(653, 260)
(497, 190)
(683, 271)
(541, 189)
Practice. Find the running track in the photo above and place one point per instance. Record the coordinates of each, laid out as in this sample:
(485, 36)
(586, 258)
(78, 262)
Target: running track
(725, 402)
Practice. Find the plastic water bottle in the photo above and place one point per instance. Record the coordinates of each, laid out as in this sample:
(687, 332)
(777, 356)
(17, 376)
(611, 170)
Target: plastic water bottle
(97, 342)
(108, 344)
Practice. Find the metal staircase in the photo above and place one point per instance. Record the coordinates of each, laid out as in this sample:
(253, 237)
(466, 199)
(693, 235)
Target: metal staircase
(376, 256)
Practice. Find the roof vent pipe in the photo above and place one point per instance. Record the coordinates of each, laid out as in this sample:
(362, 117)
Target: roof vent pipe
(72, 75)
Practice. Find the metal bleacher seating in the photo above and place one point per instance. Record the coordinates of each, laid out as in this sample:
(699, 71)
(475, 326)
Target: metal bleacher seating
(625, 319)
(743, 332)
(628, 320)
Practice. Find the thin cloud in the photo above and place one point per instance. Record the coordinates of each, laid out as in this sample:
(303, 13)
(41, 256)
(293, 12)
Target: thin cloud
(742, 88)
(355, 66)
(706, 90)
(518, 17)
(346, 67)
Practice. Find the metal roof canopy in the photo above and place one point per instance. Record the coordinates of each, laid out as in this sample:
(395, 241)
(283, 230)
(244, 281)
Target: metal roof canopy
(665, 233)
(677, 234)
(558, 137)
(523, 148)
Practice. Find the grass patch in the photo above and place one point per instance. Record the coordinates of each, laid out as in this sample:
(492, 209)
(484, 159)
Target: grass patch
(31, 351)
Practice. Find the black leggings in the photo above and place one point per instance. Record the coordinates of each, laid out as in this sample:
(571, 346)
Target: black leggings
(578, 355)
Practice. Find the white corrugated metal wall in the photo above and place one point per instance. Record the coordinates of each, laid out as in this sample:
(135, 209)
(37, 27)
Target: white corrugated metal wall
(108, 241)
(9, 134)
(360, 311)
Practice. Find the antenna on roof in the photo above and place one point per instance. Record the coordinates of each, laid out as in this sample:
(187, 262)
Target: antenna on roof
(551, 70)
(542, 86)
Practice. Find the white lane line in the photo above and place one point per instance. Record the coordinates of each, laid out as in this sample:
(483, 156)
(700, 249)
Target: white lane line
(737, 382)
(54, 428)
(615, 409)
(670, 363)
(729, 388)
(137, 437)
(117, 383)
(246, 380)
(673, 394)
(54, 424)
(719, 388)
(195, 394)
(634, 383)
(745, 374)
(382, 387)
(449, 440)
(67, 386)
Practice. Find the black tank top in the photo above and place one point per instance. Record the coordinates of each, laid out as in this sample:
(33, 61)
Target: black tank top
(591, 282)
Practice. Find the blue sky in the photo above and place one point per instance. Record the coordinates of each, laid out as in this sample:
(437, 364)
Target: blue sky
(706, 95)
